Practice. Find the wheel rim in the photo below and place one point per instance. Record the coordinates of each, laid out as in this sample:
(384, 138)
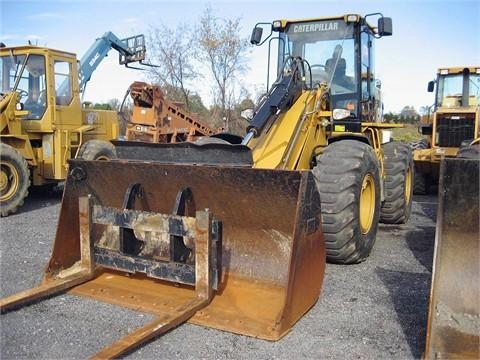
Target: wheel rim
(408, 184)
(9, 181)
(102, 157)
(367, 203)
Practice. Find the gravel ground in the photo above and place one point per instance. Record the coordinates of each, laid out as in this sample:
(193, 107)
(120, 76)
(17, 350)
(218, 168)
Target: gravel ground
(374, 310)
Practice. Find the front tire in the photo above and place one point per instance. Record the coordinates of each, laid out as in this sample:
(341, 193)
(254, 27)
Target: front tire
(348, 180)
(398, 166)
(469, 152)
(97, 150)
(420, 180)
(14, 179)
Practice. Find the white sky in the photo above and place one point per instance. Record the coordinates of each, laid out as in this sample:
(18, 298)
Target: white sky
(426, 35)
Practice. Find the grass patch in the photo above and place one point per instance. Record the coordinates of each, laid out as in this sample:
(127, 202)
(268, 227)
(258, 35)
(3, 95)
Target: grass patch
(407, 134)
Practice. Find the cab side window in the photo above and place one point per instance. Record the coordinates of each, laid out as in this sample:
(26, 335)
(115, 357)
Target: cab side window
(63, 84)
(32, 87)
(367, 66)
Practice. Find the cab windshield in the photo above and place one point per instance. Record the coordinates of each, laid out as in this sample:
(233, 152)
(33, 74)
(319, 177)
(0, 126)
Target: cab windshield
(26, 76)
(450, 90)
(11, 67)
(328, 47)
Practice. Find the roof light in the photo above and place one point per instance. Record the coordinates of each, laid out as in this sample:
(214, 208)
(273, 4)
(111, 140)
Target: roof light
(277, 25)
(352, 18)
(443, 71)
(477, 70)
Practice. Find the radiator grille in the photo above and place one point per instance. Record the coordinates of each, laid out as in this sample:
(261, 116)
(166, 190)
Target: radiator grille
(452, 129)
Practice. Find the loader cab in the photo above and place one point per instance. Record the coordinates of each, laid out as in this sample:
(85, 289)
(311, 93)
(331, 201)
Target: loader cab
(337, 51)
(457, 87)
(45, 81)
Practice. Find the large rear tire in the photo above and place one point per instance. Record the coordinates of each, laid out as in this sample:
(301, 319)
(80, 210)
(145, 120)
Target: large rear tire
(348, 180)
(97, 150)
(14, 179)
(399, 174)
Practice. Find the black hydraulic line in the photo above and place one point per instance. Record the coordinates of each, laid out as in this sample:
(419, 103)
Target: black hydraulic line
(280, 98)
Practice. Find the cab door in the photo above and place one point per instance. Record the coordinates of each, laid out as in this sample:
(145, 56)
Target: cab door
(67, 119)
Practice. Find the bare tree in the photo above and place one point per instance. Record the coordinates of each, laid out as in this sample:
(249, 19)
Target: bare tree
(173, 51)
(223, 50)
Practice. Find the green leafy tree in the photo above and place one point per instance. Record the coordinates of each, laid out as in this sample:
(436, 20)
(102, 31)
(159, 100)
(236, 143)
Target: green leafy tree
(409, 115)
(391, 118)
(102, 106)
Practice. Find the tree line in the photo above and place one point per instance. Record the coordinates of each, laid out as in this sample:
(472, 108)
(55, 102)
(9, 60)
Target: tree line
(408, 115)
(189, 56)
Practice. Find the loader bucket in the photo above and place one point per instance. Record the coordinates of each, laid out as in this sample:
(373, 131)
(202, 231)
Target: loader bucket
(267, 256)
(453, 330)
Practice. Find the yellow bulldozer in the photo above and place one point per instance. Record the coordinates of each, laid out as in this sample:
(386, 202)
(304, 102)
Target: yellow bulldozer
(234, 232)
(42, 121)
(453, 123)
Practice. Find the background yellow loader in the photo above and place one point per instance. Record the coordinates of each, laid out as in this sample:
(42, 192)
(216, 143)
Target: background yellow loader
(42, 121)
(453, 123)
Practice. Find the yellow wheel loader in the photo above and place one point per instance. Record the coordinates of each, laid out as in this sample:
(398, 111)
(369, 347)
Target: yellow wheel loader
(453, 124)
(230, 232)
(324, 113)
(42, 121)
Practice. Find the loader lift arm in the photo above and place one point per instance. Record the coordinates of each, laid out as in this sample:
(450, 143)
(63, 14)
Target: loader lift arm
(131, 49)
(284, 92)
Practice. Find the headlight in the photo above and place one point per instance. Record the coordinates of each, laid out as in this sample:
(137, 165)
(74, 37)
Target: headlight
(339, 114)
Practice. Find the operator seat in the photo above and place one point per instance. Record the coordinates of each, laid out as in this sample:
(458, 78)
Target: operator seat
(336, 66)
(340, 70)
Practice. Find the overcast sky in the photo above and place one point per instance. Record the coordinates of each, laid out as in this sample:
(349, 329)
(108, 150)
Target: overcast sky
(426, 35)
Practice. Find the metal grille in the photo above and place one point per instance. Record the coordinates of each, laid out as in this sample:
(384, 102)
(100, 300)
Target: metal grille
(452, 129)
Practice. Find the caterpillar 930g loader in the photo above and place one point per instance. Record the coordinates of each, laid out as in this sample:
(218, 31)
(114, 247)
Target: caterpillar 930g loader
(238, 222)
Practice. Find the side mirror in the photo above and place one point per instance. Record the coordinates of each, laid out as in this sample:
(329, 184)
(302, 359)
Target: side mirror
(431, 86)
(256, 37)
(425, 129)
(385, 27)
